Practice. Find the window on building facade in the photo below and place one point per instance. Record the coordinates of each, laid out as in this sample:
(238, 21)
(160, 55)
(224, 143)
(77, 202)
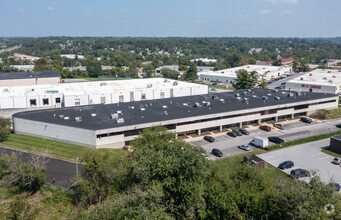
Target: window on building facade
(77, 102)
(162, 95)
(45, 101)
(143, 96)
(33, 102)
(102, 100)
(121, 98)
(57, 100)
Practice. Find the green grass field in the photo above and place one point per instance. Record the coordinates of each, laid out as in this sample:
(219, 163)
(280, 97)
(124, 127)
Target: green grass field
(332, 153)
(51, 148)
(334, 113)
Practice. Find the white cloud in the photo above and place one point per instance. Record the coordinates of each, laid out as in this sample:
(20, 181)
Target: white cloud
(285, 12)
(50, 8)
(21, 10)
(284, 1)
(264, 11)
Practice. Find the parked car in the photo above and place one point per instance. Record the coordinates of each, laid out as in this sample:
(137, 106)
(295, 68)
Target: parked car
(265, 128)
(338, 126)
(213, 89)
(337, 160)
(286, 165)
(335, 186)
(244, 147)
(299, 173)
(305, 120)
(280, 126)
(244, 131)
(276, 140)
(232, 134)
(216, 152)
(209, 139)
(278, 87)
(238, 133)
(214, 84)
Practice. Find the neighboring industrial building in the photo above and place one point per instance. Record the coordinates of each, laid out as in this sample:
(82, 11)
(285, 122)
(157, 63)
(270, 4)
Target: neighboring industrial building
(91, 93)
(335, 144)
(204, 60)
(229, 75)
(29, 78)
(115, 125)
(319, 80)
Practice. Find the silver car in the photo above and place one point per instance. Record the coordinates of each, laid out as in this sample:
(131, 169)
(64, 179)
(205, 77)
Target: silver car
(244, 147)
(337, 160)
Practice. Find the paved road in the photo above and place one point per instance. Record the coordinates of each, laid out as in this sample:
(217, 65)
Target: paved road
(307, 156)
(62, 170)
(279, 82)
(297, 130)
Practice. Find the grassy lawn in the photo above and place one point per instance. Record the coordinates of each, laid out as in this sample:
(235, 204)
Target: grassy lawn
(332, 153)
(212, 86)
(51, 148)
(334, 113)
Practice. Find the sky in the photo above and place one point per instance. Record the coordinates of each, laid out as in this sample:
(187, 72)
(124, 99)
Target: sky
(170, 18)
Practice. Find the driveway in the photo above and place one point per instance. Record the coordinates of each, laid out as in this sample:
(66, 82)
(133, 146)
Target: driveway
(307, 156)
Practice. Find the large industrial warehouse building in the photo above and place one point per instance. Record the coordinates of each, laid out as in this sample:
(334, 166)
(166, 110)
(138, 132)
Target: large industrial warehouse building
(319, 80)
(229, 75)
(90, 93)
(29, 78)
(114, 125)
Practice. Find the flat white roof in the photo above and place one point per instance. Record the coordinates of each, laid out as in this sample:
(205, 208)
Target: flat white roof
(320, 77)
(268, 70)
(82, 88)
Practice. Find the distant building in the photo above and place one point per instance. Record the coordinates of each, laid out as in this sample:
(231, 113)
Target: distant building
(29, 78)
(332, 63)
(319, 80)
(269, 63)
(72, 68)
(26, 68)
(22, 57)
(204, 60)
(73, 56)
(229, 75)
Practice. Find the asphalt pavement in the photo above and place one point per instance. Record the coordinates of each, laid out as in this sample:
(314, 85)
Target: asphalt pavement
(293, 131)
(63, 171)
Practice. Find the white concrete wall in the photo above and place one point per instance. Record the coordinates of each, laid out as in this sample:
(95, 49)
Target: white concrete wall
(30, 81)
(306, 86)
(61, 133)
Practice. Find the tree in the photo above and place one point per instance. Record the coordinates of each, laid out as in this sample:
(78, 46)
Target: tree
(93, 66)
(148, 71)
(183, 68)
(42, 65)
(277, 62)
(245, 80)
(191, 73)
(304, 65)
(5, 128)
(295, 65)
(169, 73)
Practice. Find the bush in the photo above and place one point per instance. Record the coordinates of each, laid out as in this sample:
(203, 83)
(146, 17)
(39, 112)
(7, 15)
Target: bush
(5, 128)
(320, 114)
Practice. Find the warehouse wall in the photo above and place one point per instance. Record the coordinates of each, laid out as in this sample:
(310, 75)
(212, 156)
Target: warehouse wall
(30, 81)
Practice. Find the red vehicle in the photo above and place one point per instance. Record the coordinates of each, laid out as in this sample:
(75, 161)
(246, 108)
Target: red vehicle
(265, 128)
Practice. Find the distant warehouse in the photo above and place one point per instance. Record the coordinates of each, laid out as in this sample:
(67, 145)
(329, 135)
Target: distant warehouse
(115, 125)
(91, 93)
(29, 78)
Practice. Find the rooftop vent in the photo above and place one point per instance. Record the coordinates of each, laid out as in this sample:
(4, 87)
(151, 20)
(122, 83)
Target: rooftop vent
(334, 76)
(264, 97)
(185, 104)
(196, 104)
(164, 106)
(268, 94)
(119, 120)
(103, 84)
(245, 100)
(149, 86)
(166, 80)
(290, 94)
(275, 90)
(93, 115)
(302, 78)
(132, 107)
(66, 118)
(222, 100)
(298, 94)
(310, 74)
(236, 95)
(175, 83)
(214, 97)
(207, 104)
(119, 112)
(324, 78)
(166, 113)
(60, 116)
(143, 109)
(277, 98)
(114, 116)
(78, 119)
(244, 93)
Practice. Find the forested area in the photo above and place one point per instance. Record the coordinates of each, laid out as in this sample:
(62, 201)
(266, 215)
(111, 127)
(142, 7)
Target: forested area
(128, 55)
(165, 178)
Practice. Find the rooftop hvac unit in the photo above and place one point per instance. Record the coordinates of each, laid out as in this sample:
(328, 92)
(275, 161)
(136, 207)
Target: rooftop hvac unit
(143, 109)
(119, 120)
(275, 90)
(66, 117)
(78, 119)
(277, 98)
(310, 74)
(214, 97)
(330, 81)
(290, 95)
(264, 97)
(184, 104)
(166, 80)
(119, 112)
(93, 115)
(103, 84)
(298, 93)
(324, 78)
(245, 99)
(244, 93)
(196, 104)
(207, 104)
(175, 83)
(149, 86)
(166, 113)
(114, 115)
(164, 106)
(222, 100)
(334, 76)
(60, 116)
(302, 78)
(236, 95)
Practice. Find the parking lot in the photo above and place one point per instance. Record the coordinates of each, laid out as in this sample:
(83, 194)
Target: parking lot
(307, 156)
(279, 82)
(296, 130)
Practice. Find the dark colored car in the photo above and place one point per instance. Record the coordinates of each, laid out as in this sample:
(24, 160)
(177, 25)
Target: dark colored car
(238, 133)
(214, 84)
(265, 128)
(276, 140)
(338, 126)
(232, 134)
(299, 173)
(216, 152)
(335, 186)
(278, 87)
(209, 138)
(306, 120)
(286, 165)
(244, 131)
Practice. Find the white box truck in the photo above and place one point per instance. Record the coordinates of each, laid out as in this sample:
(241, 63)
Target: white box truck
(261, 142)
